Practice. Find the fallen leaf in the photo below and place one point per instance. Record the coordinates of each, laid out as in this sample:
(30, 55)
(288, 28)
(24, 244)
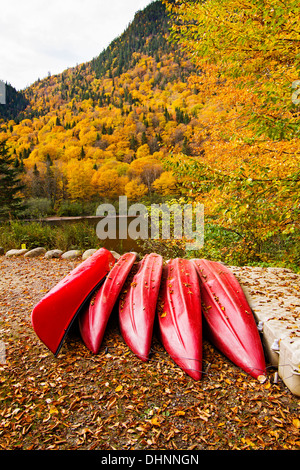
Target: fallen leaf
(155, 421)
(53, 410)
(180, 413)
(296, 423)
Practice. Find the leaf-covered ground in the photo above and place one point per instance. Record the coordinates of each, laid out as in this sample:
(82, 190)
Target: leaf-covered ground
(114, 400)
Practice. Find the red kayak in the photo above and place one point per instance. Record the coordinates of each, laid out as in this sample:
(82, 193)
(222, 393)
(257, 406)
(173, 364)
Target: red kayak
(229, 321)
(53, 315)
(93, 320)
(137, 306)
(179, 315)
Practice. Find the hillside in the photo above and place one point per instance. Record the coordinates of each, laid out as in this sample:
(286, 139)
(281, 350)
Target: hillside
(151, 120)
(131, 101)
(147, 35)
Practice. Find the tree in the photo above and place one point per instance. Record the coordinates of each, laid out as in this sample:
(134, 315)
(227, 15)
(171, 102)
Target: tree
(10, 185)
(135, 190)
(166, 184)
(256, 205)
(147, 169)
(37, 189)
(245, 164)
(79, 174)
(108, 184)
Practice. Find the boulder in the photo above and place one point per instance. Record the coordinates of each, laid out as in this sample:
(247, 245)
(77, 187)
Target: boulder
(71, 254)
(39, 251)
(137, 255)
(88, 253)
(53, 254)
(16, 252)
(115, 254)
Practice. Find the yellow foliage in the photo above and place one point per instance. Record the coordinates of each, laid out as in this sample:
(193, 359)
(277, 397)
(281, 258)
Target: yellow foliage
(137, 167)
(143, 151)
(135, 190)
(98, 147)
(79, 176)
(108, 184)
(166, 184)
(88, 138)
(72, 152)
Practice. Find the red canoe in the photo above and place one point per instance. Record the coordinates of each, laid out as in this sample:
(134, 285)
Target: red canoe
(229, 321)
(53, 315)
(93, 320)
(179, 316)
(138, 305)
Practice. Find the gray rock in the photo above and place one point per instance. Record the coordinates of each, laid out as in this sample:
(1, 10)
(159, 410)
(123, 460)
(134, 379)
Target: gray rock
(71, 254)
(39, 251)
(137, 255)
(53, 254)
(115, 254)
(14, 252)
(88, 253)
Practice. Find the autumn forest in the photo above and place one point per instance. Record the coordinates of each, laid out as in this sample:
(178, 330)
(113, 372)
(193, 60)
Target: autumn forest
(195, 102)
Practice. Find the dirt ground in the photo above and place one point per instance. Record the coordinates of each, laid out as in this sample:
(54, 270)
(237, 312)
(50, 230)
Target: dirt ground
(114, 401)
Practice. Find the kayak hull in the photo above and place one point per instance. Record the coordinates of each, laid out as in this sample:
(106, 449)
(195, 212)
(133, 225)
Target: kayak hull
(93, 320)
(137, 306)
(179, 316)
(53, 315)
(228, 318)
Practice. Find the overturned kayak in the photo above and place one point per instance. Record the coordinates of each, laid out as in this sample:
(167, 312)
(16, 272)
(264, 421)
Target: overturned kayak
(93, 320)
(229, 321)
(179, 316)
(53, 315)
(137, 306)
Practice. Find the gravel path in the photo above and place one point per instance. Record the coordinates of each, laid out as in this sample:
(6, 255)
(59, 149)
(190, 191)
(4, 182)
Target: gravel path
(115, 401)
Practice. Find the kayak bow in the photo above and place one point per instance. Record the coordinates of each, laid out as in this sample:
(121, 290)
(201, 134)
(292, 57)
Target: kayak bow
(179, 315)
(229, 321)
(93, 320)
(137, 306)
(53, 315)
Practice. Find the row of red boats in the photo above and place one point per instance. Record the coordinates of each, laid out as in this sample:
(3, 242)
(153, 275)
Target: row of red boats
(186, 298)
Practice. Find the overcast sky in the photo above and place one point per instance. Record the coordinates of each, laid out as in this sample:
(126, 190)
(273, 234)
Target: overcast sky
(41, 36)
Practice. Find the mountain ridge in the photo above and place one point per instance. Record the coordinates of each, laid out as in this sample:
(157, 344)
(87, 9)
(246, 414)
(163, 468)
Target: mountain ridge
(147, 34)
(147, 30)
(132, 102)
